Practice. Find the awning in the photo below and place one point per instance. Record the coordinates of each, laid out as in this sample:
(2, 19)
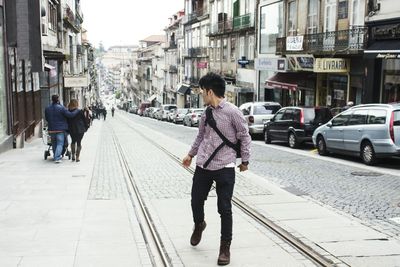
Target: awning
(48, 67)
(289, 81)
(151, 98)
(383, 49)
(183, 89)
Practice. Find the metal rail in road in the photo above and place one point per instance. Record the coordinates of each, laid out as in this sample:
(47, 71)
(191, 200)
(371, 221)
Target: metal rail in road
(302, 248)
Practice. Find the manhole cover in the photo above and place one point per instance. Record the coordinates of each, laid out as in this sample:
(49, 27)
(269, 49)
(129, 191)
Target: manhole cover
(366, 174)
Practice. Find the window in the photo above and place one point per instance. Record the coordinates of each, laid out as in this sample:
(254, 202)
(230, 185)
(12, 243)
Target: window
(52, 16)
(225, 50)
(312, 17)
(212, 50)
(279, 115)
(265, 109)
(358, 117)
(271, 26)
(292, 18)
(342, 119)
(396, 121)
(242, 46)
(289, 115)
(250, 52)
(376, 116)
(343, 9)
(233, 49)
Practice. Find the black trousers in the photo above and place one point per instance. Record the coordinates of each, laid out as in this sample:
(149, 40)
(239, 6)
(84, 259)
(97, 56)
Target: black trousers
(202, 182)
(76, 138)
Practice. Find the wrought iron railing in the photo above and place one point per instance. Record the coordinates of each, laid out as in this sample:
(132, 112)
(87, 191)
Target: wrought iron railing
(243, 22)
(222, 27)
(348, 41)
(196, 52)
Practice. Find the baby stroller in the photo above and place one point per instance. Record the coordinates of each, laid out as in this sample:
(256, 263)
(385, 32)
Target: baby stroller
(47, 141)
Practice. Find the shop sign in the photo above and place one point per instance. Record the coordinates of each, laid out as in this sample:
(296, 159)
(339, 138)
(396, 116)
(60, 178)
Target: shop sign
(386, 32)
(294, 43)
(243, 62)
(76, 81)
(271, 64)
(300, 62)
(388, 56)
(336, 65)
(202, 65)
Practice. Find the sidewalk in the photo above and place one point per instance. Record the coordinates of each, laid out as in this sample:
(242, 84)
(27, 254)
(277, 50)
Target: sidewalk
(48, 217)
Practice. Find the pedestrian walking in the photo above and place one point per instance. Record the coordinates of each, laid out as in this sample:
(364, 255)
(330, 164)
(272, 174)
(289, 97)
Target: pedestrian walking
(77, 126)
(112, 111)
(216, 159)
(104, 112)
(56, 116)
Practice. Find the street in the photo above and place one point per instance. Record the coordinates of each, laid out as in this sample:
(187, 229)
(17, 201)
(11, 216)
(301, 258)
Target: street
(368, 193)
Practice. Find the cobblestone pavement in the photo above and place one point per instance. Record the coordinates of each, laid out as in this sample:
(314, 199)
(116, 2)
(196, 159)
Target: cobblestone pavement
(161, 180)
(374, 199)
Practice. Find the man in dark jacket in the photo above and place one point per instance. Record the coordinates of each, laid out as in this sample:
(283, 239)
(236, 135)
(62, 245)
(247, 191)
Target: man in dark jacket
(56, 116)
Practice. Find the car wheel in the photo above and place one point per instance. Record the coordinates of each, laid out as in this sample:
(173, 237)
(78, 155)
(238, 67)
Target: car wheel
(368, 153)
(292, 140)
(321, 146)
(267, 138)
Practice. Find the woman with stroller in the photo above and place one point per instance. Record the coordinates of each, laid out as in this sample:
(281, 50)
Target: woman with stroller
(77, 127)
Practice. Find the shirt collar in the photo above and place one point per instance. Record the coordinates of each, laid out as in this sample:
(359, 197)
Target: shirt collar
(220, 105)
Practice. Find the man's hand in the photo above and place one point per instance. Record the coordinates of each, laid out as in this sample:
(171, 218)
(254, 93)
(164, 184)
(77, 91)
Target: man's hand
(187, 161)
(243, 167)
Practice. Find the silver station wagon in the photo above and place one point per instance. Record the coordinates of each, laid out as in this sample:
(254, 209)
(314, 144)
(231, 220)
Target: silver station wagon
(370, 131)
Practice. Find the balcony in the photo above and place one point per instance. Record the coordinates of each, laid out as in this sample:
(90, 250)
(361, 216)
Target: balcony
(70, 20)
(172, 69)
(352, 41)
(243, 22)
(193, 17)
(196, 52)
(221, 27)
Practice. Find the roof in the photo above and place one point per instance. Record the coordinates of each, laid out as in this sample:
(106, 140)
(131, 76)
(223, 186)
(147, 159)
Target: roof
(155, 38)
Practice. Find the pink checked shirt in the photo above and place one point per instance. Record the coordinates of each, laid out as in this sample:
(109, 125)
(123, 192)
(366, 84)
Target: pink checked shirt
(232, 124)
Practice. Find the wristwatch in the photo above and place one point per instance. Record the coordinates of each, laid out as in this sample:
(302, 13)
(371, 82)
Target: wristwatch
(245, 163)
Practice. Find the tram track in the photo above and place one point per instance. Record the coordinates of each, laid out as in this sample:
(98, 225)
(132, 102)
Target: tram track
(301, 247)
(158, 254)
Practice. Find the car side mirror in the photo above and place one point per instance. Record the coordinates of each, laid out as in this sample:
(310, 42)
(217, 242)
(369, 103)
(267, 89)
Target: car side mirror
(329, 124)
(272, 119)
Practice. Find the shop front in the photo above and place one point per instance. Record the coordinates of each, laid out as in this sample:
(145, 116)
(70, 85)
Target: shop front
(332, 81)
(383, 62)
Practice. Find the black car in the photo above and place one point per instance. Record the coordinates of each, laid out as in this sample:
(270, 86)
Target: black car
(295, 125)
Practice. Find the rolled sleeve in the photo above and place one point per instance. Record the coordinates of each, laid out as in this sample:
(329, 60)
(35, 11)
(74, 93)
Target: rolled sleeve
(242, 134)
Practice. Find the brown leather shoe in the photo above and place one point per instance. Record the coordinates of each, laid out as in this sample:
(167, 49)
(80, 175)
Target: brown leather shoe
(224, 257)
(198, 230)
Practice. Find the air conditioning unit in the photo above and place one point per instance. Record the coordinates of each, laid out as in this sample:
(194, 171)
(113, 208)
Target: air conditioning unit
(45, 29)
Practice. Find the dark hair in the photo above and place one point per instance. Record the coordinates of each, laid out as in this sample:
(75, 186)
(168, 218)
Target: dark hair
(54, 99)
(214, 82)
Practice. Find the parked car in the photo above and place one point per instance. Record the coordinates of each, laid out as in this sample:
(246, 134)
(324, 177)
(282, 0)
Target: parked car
(142, 107)
(295, 124)
(192, 117)
(258, 113)
(171, 115)
(164, 111)
(154, 113)
(179, 114)
(369, 131)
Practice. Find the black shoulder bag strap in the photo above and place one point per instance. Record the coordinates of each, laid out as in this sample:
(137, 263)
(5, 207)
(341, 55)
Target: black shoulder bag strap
(213, 124)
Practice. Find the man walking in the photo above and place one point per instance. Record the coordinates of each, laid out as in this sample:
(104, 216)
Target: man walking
(216, 160)
(56, 115)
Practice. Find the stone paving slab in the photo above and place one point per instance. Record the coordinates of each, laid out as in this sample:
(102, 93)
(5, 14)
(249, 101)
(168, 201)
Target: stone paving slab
(48, 216)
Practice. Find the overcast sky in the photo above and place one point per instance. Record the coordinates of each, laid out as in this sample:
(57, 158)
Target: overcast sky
(125, 22)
